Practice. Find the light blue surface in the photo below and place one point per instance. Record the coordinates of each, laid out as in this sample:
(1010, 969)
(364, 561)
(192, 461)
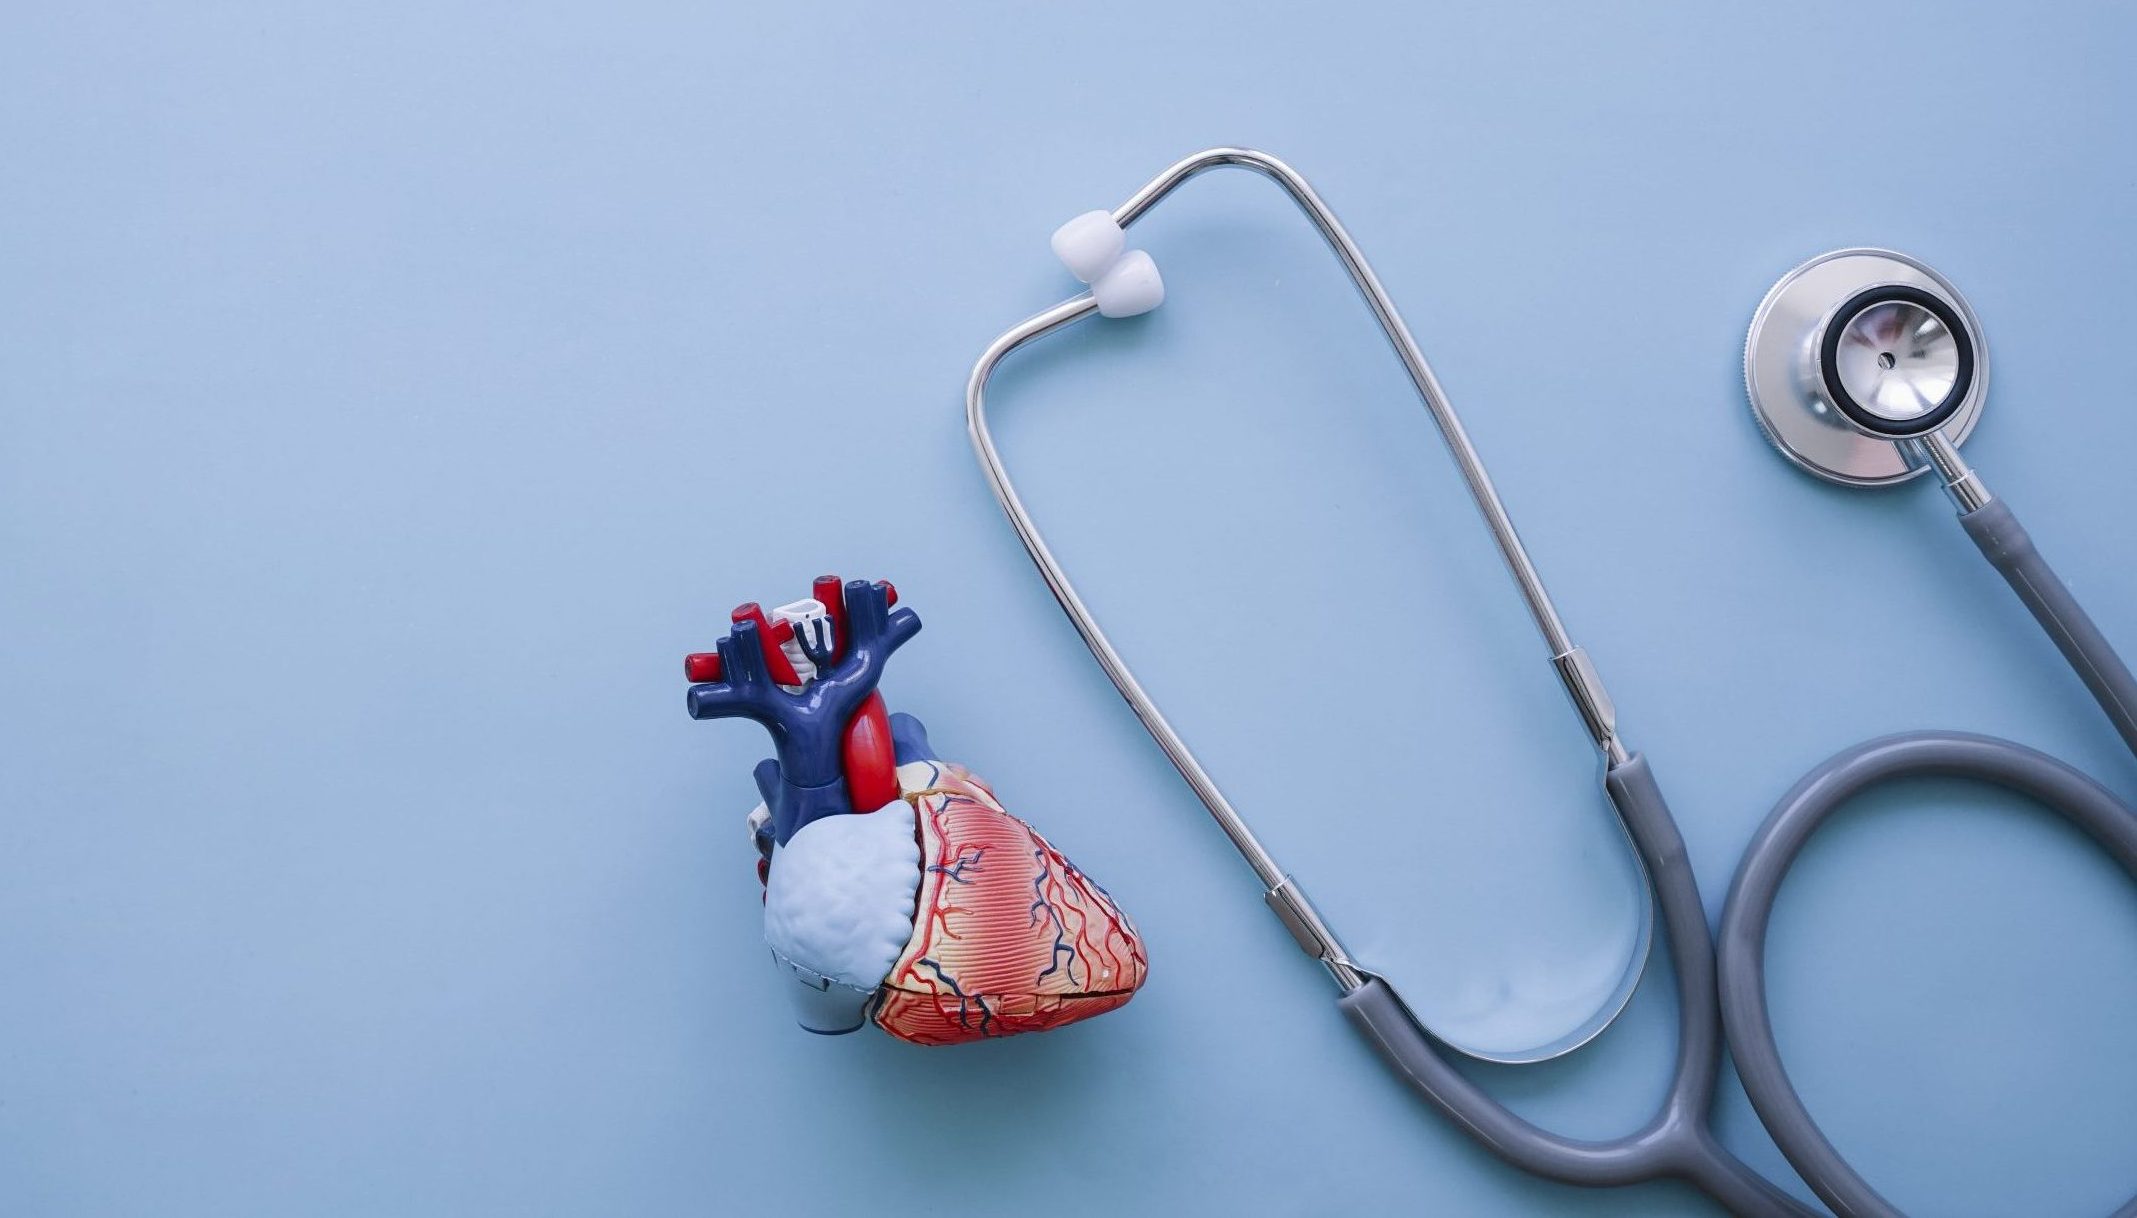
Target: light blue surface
(391, 396)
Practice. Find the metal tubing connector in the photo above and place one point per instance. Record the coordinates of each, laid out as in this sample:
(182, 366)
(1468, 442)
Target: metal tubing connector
(1314, 938)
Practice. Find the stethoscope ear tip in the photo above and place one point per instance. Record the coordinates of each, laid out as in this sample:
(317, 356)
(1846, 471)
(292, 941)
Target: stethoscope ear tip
(1123, 282)
(1857, 352)
(1130, 286)
(1088, 244)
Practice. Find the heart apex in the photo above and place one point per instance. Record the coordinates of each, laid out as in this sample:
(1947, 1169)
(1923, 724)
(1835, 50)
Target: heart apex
(1009, 936)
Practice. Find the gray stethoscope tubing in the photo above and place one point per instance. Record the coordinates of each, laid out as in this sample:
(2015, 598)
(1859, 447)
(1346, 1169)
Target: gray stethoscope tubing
(1717, 997)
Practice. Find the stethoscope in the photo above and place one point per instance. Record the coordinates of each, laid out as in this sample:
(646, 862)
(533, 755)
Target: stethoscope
(1863, 367)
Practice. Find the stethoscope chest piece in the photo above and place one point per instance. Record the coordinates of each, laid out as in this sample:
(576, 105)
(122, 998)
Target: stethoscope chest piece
(1854, 354)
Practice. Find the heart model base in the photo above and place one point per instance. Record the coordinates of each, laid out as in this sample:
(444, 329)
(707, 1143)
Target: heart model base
(897, 887)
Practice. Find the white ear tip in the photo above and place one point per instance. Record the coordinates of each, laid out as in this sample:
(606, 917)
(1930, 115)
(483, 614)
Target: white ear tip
(1130, 286)
(1088, 244)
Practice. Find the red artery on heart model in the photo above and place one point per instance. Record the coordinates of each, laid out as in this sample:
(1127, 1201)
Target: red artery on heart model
(898, 889)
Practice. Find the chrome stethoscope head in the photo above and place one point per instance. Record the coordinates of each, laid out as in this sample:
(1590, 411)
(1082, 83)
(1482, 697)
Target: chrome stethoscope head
(1859, 362)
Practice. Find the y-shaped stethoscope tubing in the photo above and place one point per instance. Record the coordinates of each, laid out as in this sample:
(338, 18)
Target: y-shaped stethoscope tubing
(1676, 1142)
(1718, 995)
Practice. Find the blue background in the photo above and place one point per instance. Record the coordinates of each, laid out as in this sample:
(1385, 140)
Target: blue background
(392, 395)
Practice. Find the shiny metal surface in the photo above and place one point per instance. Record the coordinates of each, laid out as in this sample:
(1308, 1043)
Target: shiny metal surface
(1576, 672)
(1898, 360)
(1283, 896)
(1782, 376)
(1965, 487)
(1598, 713)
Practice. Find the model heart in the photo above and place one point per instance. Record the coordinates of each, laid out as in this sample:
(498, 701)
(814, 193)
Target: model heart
(897, 888)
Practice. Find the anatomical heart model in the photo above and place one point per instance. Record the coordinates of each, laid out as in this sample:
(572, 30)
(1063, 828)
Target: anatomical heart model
(896, 887)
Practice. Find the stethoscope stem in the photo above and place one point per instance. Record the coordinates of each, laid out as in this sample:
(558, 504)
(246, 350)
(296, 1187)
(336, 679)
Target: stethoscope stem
(1960, 481)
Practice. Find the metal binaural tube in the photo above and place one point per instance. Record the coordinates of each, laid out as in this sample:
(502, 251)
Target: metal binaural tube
(1298, 914)
(1057, 581)
(1398, 335)
(1577, 673)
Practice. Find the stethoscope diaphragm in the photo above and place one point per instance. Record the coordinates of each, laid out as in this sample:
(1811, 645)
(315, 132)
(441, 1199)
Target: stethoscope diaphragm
(1855, 353)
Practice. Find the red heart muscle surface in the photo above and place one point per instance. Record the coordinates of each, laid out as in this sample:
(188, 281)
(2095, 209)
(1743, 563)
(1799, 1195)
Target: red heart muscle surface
(1008, 936)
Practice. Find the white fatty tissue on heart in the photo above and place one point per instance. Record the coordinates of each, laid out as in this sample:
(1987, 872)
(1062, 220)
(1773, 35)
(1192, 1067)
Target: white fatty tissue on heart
(838, 910)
